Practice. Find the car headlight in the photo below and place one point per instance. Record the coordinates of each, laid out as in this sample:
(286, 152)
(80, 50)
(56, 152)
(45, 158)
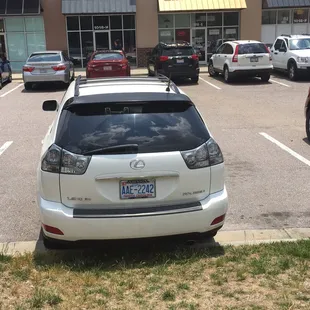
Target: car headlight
(303, 59)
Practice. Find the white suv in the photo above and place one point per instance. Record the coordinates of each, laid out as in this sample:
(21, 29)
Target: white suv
(291, 53)
(241, 58)
(128, 158)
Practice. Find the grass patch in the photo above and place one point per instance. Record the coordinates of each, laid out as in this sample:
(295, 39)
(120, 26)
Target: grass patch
(168, 295)
(43, 297)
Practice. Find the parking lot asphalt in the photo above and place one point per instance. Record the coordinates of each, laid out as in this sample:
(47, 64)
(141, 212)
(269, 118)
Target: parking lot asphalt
(259, 126)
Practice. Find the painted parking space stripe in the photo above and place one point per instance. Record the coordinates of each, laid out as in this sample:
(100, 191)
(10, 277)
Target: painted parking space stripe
(216, 87)
(285, 148)
(5, 146)
(280, 83)
(8, 92)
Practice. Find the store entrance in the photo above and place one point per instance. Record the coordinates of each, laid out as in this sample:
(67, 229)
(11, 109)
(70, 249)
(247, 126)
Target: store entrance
(102, 40)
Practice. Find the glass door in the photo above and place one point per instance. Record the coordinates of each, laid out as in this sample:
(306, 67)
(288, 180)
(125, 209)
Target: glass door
(214, 41)
(102, 40)
(199, 43)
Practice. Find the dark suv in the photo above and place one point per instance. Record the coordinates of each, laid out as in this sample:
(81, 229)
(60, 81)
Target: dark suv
(175, 60)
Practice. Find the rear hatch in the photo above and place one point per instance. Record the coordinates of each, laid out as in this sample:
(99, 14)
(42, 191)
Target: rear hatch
(136, 155)
(180, 58)
(106, 62)
(44, 63)
(253, 55)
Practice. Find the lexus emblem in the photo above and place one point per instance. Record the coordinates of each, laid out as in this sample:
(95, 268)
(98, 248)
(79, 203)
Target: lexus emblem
(137, 164)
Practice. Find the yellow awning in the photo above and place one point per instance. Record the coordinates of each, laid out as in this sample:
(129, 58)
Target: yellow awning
(200, 5)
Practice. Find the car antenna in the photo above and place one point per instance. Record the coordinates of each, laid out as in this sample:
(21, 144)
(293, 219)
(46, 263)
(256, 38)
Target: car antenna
(169, 82)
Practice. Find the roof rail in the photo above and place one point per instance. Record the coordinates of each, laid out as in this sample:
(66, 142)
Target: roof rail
(77, 86)
(286, 35)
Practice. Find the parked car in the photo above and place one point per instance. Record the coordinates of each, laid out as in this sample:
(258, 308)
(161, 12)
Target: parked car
(5, 72)
(175, 60)
(107, 64)
(291, 53)
(47, 66)
(128, 158)
(241, 58)
(307, 115)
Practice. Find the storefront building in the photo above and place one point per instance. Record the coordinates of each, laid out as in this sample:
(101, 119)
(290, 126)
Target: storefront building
(284, 17)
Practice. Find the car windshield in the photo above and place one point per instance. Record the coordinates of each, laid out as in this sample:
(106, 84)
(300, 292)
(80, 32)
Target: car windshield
(252, 48)
(50, 57)
(153, 127)
(108, 56)
(180, 51)
(299, 44)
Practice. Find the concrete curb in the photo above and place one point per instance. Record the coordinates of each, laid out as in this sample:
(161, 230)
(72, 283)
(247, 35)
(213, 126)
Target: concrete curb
(223, 238)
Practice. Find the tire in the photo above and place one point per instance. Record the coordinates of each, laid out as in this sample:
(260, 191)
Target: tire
(1, 84)
(195, 79)
(227, 75)
(292, 71)
(308, 125)
(73, 76)
(28, 86)
(265, 77)
(211, 70)
(10, 78)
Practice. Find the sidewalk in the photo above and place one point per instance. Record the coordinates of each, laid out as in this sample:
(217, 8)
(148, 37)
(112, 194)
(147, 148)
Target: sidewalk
(17, 77)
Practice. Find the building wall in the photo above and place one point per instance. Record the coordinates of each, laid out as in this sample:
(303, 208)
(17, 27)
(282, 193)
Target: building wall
(251, 21)
(55, 25)
(146, 28)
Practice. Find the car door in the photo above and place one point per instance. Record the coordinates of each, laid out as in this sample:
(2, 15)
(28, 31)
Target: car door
(217, 59)
(152, 60)
(275, 52)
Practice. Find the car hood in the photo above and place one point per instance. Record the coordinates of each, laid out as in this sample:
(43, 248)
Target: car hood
(302, 53)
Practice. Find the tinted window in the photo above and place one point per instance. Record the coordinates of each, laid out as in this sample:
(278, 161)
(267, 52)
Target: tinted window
(2, 6)
(31, 6)
(252, 48)
(221, 49)
(44, 57)
(277, 45)
(181, 51)
(228, 49)
(155, 127)
(108, 56)
(14, 7)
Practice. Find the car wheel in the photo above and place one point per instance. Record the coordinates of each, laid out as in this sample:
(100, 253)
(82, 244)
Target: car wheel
(227, 76)
(10, 78)
(292, 71)
(265, 77)
(28, 86)
(1, 84)
(211, 70)
(195, 79)
(308, 125)
(73, 76)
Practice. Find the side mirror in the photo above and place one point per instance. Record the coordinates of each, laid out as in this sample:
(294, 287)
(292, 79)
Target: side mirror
(50, 105)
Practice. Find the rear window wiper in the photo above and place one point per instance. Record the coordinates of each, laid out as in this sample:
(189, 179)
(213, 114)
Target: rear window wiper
(117, 149)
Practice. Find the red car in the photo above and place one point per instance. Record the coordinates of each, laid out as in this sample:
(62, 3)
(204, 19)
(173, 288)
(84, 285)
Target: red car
(107, 64)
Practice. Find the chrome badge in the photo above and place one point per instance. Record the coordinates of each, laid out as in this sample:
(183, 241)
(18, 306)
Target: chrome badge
(137, 164)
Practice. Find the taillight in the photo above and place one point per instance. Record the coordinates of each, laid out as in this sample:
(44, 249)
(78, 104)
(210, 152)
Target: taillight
(235, 57)
(28, 69)
(59, 68)
(163, 58)
(124, 66)
(206, 155)
(58, 160)
(195, 57)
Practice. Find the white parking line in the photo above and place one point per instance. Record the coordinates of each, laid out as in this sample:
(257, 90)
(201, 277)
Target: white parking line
(273, 81)
(5, 146)
(8, 92)
(218, 88)
(285, 148)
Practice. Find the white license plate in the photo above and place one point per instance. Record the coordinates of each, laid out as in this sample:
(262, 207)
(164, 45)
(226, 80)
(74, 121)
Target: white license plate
(43, 70)
(180, 61)
(134, 189)
(107, 68)
(254, 59)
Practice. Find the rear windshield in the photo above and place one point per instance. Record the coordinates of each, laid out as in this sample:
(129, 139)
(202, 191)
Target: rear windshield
(180, 51)
(154, 127)
(44, 57)
(108, 56)
(252, 48)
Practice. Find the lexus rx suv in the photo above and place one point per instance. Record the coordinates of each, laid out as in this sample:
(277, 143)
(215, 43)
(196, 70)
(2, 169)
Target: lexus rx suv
(128, 158)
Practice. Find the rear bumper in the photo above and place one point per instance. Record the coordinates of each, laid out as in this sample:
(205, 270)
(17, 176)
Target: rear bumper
(103, 74)
(251, 72)
(184, 73)
(74, 229)
(57, 77)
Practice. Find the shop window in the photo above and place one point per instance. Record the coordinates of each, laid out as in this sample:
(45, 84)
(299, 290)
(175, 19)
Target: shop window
(87, 45)
(101, 23)
(300, 16)
(86, 23)
(182, 20)
(2, 29)
(116, 39)
(129, 22)
(14, 24)
(73, 23)
(14, 7)
(231, 19)
(130, 46)
(231, 33)
(199, 43)
(31, 6)
(283, 17)
(199, 20)
(74, 46)
(17, 46)
(214, 39)
(269, 17)
(183, 35)
(214, 19)
(165, 21)
(116, 22)
(34, 24)
(166, 35)
(35, 42)
(2, 6)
